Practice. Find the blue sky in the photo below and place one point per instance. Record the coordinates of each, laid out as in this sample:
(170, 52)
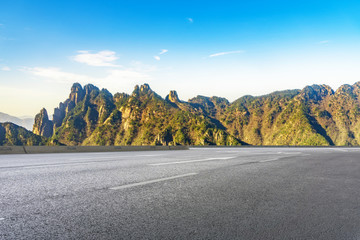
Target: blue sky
(223, 48)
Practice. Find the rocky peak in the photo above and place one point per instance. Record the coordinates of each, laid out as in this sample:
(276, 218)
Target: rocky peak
(76, 87)
(77, 93)
(316, 92)
(145, 88)
(144, 91)
(59, 114)
(136, 91)
(173, 97)
(106, 93)
(345, 89)
(203, 103)
(120, 96)
(220, 102)
(105, 98)
(43, 126)
(357, 85)
(356, 88)
(89, 88)
(202, 100)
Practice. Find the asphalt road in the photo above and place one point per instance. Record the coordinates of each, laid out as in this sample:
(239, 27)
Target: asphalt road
(203, 193)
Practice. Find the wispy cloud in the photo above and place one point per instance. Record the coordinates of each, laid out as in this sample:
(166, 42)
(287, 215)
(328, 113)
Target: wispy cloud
(57, 74)
(113, 77)
(225, 53)
(163, 51)
(5, 68)
(324, 42)
(100, 59)
(190, 20)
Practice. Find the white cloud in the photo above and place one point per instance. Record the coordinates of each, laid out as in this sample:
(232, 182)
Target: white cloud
(100, 59)
(190, 20)
(324, 42)
(114, 79)
(163, 51)
(58, 75)
(5, 68)
(225, 53)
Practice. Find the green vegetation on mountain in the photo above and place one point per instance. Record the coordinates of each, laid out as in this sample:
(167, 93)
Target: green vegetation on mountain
(95, 117)
(315, 115)
(12, 134)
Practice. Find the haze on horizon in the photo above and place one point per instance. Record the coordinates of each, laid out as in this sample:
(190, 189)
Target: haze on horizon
(227, 49)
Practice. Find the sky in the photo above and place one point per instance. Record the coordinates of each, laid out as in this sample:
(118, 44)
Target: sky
(211, 48)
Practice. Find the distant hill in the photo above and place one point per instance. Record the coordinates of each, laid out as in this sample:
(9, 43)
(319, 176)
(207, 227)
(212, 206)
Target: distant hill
(315, 115)
(26, 122)
(12, 134)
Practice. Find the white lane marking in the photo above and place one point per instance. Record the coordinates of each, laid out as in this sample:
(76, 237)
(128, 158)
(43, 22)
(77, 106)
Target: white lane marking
(270, 160)
(190, 161)
(97, 158)
(151, 181)
(63, 164)
(279, 158)
(256, 154)
(149, 155)
(232, 151)
(201, 148)
(114, 157)
(341, 150)
(350, 150)
(1, 219)
(54, 165)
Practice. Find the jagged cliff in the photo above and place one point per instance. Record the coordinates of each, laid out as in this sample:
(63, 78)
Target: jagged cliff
(43, 126)
(315, 115)
(95, 117)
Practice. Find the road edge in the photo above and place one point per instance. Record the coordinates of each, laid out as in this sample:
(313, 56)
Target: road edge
(74, 149)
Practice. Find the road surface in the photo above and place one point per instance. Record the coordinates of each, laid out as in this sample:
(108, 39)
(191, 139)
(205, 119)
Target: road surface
(202, 193)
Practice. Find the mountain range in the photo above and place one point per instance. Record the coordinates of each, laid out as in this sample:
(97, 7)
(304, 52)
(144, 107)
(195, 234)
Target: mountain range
(26, 122)
(315, 115)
